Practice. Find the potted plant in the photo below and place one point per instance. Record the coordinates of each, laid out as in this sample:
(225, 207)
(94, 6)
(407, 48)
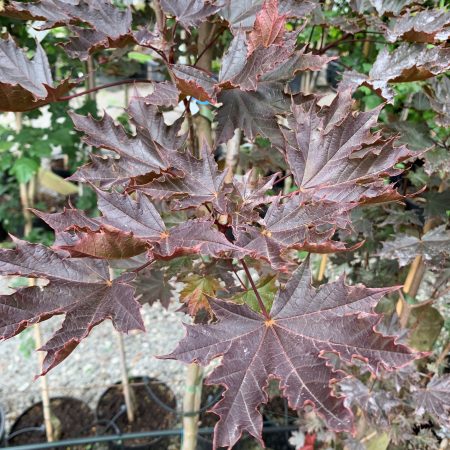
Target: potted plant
(243, 248)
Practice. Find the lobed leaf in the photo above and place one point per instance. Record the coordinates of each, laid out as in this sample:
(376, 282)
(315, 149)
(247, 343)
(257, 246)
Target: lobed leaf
(190, 13)
(333, 155)
(305, 325)
(427, 26)
(408, 62)
(434, 246)
(81, 289)
(27, 84)
(435, 399)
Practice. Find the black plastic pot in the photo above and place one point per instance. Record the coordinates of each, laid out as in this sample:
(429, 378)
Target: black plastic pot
(155, 409)
(277, 414)
(75, 417)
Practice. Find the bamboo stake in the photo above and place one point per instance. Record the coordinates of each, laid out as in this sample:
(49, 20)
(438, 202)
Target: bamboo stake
(23, 189)
(322, 267)
(415, 273)
(127, 390)
(191, 403)
(45, 393)
(194, 376)
(232, 154)
(27, 193)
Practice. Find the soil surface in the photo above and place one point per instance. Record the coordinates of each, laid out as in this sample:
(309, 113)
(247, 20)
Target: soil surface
(94, 365)
(74, 419)
(149, 414)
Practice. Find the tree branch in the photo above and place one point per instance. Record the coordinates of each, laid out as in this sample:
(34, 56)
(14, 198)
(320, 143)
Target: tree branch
(103, 86)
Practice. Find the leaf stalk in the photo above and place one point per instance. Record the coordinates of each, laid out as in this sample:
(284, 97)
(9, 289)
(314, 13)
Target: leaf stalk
(255, 289)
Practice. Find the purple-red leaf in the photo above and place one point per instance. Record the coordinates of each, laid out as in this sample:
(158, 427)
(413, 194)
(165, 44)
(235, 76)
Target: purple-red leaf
(190, 13)
(194, 82)
(305, 325)
(269, 27)
(413, 62)
(294, 225)
(435, 399)
(201, 182)
(135, 156)
(434, 247)
(333, 155)
(427, 26)
(164, 94)
(241, 14)
(130, 227)
(253, 111)
(240, 69)
(81, 289)
(27, 84)
(109, 26)
(152, 284)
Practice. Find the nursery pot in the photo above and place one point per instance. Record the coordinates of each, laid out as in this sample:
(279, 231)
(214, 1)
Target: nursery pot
(210, 396)
(155, 409)
(276, 413)
(75, 418)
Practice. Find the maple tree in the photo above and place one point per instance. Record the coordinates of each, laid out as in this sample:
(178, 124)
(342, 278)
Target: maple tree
(173, 211)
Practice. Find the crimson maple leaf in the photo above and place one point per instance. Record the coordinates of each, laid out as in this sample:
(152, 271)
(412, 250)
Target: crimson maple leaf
(79, 288)
(406, 63)
(291, 344)
(434, 399)
(194, 82)
(130, 227)
(27, 84)
(255, 112)
(241, 14)
(294, 225)
(430, 26)
(269, 27)
(135, 156)
(107, 25)
(190, 13)
(333, 155)
(201, 181)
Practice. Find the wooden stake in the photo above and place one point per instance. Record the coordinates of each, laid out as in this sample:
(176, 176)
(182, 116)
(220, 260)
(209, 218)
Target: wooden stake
(23, 189)
(45, 395)
(322, 267)
(191, 403)
(232, 155)
(127, 389)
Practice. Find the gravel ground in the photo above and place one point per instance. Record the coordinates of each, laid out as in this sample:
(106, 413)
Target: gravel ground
(94, 364)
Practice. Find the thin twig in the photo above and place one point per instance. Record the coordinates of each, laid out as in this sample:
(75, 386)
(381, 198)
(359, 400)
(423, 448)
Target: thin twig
(240, 279)
(334, 43)
(138, 269)
(258, 297)
(208, 46)
(103, 86)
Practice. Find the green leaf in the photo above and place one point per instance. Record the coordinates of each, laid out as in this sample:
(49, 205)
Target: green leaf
(425, 323)
(24, 169)
(140, 57)
(378, 442)
(266, 288)
(197, 292)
